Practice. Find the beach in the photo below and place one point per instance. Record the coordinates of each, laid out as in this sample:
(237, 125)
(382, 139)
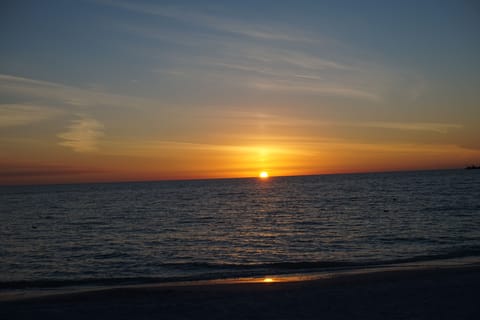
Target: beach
(420, 293)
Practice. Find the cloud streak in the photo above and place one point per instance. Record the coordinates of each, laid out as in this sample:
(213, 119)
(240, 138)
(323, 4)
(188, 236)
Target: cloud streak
(39, 171)
(318, 89)
(412, 126)
(265, 60)
(60, 94)
(12, 115)
(213, 22)
(82, 135)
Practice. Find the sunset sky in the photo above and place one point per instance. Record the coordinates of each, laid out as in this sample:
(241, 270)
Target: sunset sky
(100, 90)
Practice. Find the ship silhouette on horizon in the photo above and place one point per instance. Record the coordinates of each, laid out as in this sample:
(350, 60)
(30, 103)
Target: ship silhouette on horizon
(472, 167)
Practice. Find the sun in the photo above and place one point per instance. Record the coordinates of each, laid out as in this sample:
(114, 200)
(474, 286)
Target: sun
(263, 174)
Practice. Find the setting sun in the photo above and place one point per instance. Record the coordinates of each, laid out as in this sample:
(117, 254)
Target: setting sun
(263, 174)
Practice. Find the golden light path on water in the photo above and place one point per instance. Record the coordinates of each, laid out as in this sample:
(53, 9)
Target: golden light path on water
(272, 279)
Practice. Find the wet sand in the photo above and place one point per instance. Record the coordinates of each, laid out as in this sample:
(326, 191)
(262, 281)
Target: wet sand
(433, 293)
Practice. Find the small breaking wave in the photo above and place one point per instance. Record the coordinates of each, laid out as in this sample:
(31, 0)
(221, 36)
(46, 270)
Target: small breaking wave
(210, 271)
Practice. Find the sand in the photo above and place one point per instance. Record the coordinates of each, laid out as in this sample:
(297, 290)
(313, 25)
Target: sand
(428, 293)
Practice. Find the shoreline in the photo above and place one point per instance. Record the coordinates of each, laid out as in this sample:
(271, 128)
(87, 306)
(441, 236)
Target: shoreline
(32, 292)
(418, 292)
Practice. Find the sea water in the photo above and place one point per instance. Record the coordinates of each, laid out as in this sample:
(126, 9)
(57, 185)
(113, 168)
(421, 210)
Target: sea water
(116, 233)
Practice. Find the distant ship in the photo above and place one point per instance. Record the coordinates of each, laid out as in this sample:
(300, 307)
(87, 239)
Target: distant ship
(472, 167)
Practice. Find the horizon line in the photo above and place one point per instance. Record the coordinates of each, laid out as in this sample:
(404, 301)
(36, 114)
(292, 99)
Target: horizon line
(227, 178)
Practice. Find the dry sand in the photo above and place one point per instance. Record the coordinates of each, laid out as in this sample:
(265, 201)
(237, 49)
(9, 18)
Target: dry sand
(434, 293)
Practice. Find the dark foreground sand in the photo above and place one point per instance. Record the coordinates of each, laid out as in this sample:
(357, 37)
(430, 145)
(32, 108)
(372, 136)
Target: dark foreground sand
(446, 293)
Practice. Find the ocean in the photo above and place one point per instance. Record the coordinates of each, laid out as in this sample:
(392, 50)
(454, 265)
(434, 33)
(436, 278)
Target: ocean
(56, 236)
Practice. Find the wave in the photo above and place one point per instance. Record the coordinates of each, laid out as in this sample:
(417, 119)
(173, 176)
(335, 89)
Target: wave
(300, 265)
(210, 271)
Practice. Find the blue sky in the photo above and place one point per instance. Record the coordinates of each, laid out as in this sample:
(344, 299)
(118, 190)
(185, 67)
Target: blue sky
(93, 82)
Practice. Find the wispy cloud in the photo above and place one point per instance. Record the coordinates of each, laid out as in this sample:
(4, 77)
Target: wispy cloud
(19, 115)
(265, 59)
(172, 148)
(213, 22)
(297, 59)
(15, 170)
(64, 95)
(82, 135)
(261, 59)
(415, 126)
(290, 120)
(268, 69)
(320, 89)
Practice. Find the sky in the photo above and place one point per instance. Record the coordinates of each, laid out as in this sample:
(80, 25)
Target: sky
(104, 90)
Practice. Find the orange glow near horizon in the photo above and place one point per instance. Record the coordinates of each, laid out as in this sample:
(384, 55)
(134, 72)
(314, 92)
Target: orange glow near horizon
(223, 161)
(268, 280)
